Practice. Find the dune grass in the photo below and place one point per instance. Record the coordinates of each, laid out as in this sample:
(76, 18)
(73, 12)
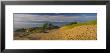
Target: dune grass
(93, 22)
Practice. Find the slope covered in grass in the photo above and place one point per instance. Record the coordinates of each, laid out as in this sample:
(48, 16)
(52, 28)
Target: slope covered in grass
(93, 22)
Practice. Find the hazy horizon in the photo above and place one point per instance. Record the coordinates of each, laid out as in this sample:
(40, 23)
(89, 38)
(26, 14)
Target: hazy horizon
(33, 19)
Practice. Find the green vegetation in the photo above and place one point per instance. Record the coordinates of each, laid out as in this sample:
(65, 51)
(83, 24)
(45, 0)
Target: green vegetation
(72, 31)
(80, 30)
(69, 26)
(20, 30)
(43, 29)
(72, 23)
(49, 26)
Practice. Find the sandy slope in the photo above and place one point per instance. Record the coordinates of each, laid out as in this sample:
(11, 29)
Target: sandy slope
(84, 32)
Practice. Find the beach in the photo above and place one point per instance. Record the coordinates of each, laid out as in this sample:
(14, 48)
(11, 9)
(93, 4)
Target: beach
(83, 32)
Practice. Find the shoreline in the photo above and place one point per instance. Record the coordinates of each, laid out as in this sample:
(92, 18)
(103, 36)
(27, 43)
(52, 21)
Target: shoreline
(62, 34)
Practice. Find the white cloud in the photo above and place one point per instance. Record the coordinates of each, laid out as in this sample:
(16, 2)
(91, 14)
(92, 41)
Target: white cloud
(28, 17)
(55, 18)
(31, 17)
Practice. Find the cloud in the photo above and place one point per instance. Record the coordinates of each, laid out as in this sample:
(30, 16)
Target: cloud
(55, 18)
(28, 17)
(28, 20)
(31, 17)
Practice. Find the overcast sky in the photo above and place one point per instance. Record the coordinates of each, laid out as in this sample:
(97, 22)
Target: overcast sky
(52, 17)
(22, 20)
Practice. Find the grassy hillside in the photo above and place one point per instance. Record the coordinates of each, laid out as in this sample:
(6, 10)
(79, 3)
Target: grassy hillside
(93, 22)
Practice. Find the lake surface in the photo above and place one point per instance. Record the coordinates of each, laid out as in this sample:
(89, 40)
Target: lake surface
(30, 24)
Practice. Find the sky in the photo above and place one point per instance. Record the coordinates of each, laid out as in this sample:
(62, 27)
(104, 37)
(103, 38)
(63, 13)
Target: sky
(25, 19)
(52, 17)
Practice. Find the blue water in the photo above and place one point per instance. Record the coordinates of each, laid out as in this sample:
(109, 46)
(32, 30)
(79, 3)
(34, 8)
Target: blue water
(30, 25)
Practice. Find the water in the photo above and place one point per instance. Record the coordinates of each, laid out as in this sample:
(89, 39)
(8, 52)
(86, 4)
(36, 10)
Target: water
(30, 24)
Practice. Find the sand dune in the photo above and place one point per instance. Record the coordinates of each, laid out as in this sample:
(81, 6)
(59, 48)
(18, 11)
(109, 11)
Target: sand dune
(83, 32)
